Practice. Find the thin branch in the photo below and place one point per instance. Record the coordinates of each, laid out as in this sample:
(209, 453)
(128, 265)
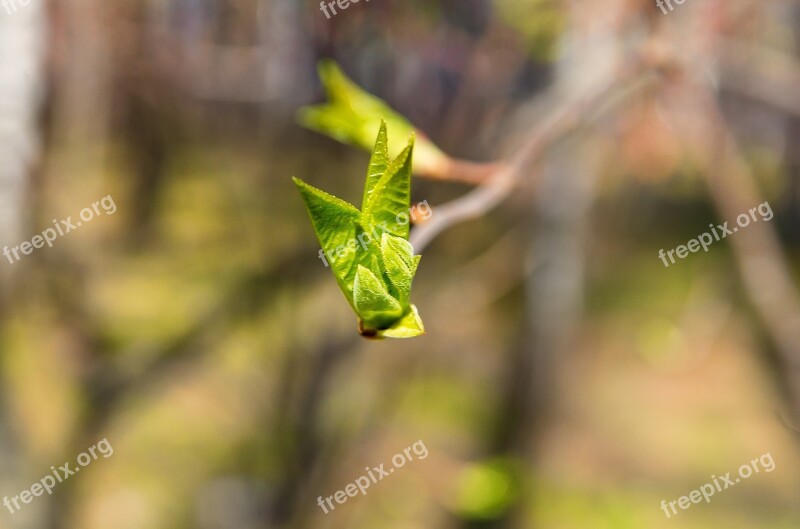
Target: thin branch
(464, 171)
(762, 74)
(762, 265)
(568, 116)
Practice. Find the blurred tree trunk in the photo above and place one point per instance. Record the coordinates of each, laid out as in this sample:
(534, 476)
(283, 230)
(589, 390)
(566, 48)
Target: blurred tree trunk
(22, 43)
(793, 153)
(81, 100)
(287, 55)
(555, 277)
(148, 105)
(80, 110)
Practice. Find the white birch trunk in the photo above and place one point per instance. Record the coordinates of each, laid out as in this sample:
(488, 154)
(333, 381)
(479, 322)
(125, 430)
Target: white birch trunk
(22, 46)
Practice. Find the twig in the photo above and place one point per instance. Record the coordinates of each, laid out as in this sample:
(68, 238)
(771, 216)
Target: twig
(762, 264)
(456, 170)
(760, 73)
(568, 116)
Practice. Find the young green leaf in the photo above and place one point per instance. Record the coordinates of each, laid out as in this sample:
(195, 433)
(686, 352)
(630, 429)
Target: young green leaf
(391, 195)
(373, 303)
(378, 163)
(400, 264)
(408, 326)
(368, 250)
(336, 224)
(352, 116)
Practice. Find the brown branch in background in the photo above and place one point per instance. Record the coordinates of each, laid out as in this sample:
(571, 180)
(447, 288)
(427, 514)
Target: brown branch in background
(761, 74)
(464, 171)
(568, 116)
(762, 264)
(300, 419)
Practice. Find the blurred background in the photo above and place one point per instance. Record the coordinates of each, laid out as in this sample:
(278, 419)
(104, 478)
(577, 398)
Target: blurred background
(567, 380)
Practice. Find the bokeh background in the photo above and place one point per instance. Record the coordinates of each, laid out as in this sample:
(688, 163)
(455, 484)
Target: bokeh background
(567, 380)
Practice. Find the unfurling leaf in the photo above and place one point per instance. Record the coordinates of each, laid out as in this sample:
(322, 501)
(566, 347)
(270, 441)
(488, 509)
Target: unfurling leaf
(400, 264)
(373, 302)
(352, 116)
(368, 250)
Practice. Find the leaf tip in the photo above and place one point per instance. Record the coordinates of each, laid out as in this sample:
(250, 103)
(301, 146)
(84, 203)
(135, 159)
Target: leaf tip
(326, 67)
(302, 186)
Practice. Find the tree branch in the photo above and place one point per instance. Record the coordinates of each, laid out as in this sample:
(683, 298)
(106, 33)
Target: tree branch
(568, 116)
